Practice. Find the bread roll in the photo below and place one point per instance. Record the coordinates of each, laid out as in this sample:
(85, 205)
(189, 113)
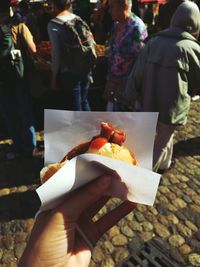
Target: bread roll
(108, 143)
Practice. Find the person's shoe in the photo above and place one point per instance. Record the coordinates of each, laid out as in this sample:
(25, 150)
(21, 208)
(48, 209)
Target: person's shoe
(161, 171)
(195, 97)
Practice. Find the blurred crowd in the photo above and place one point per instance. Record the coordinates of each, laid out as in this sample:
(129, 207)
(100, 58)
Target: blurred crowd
(147, 60)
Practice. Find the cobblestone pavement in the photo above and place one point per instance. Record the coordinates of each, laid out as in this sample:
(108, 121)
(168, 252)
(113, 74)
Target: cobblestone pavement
(173, 222)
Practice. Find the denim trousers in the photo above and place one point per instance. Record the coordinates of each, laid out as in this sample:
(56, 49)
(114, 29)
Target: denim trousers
(114, 106)
(16, 107)
(79, 88)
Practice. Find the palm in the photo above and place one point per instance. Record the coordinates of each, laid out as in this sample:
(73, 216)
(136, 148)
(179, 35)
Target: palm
(65, 245)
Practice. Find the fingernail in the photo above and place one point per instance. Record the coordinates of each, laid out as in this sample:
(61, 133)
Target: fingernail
(104, 181)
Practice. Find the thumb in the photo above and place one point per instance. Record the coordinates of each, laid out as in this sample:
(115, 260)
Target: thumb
(84, 197)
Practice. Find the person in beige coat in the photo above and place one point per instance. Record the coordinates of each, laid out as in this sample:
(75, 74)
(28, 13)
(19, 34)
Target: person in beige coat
(165, 76)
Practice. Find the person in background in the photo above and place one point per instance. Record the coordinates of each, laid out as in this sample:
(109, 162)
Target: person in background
(78, 85)
(165, 13)
(101, 22)
(66, 235)
(42, 19)
(15, 100)
(30, 19)
(15, 12)
(126, 41)
(135, 7)
(148, 17)
(165, 76)
(82, 9)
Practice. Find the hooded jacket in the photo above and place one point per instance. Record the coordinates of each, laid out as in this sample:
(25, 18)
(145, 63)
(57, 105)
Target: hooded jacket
(168, 69)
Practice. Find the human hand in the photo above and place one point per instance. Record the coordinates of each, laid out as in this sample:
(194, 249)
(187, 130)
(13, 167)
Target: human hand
(55, 239)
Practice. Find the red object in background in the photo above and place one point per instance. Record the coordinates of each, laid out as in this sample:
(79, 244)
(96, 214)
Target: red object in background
(44, 50)
(14, 2)
(152, 1)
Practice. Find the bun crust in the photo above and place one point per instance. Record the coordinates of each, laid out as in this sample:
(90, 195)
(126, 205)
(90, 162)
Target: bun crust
(108, 143)
(114, 151)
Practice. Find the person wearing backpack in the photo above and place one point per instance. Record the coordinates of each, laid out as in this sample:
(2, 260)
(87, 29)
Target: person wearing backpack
(15, 101)
(73, 53)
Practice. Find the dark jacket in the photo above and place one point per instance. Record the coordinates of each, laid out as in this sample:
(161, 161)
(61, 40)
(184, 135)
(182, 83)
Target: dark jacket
(166, 73)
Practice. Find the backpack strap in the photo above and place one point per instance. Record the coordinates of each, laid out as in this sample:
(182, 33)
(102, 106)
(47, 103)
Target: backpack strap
(70, 25)
(61, 22)
(6, 43)
(57, 21)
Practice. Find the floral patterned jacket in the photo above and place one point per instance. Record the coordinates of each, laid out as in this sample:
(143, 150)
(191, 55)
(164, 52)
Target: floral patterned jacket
(124, 50)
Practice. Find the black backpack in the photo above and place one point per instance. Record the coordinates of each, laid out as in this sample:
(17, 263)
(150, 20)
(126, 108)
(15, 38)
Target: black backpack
(11, 62)
(78, 45)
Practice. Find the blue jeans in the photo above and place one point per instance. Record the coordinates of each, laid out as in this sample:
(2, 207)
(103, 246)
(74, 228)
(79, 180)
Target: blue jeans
(17, 110)
(114, 106)
(79, 88)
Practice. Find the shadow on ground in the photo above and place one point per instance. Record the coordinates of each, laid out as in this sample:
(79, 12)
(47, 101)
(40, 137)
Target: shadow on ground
(22, 205)
(189, 147)
(18, 171)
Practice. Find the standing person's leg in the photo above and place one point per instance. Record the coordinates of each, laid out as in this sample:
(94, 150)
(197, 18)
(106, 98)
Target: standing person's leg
(163, 146)
(109, 106)
(108, 95)
(76, 93)
(85, 85)
(24, 106)
(10, 115)
(117, 106)
(72, 84)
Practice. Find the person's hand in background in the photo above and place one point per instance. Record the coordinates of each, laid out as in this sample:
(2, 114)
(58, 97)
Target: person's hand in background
(56, 240)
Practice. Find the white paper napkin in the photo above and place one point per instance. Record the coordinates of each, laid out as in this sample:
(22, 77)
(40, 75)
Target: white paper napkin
(66, 129)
